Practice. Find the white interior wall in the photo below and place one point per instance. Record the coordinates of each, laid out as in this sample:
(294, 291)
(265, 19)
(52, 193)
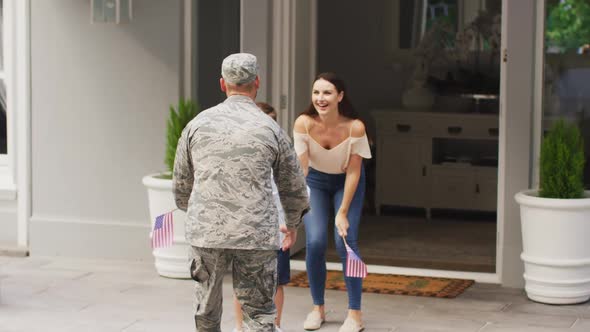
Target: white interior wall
(100, 97)
(8, 224)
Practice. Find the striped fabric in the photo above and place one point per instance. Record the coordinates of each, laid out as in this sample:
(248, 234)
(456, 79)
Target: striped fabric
(163, 232)
(355, 268)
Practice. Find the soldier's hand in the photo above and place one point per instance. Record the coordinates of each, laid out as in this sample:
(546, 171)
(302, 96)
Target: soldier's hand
(290, 237)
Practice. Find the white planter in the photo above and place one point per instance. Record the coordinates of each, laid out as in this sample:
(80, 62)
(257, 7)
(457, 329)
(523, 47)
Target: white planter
(556, 247)
(171, 262)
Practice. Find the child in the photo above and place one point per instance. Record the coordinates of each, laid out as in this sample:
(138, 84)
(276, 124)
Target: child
(283, 259)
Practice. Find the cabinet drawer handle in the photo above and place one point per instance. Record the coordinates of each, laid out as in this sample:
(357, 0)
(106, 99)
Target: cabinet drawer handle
(423, 170)
(403, 128)
(493, 132)
(477, 188)
(454, 130)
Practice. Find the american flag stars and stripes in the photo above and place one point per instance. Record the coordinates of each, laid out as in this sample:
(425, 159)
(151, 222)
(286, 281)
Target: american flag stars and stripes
(163, 232)
(355, 268)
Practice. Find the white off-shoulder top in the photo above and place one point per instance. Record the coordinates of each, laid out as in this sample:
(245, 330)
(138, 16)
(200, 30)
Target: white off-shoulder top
(334, 160)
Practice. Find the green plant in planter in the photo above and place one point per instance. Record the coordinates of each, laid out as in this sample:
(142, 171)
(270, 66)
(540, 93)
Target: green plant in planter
(185, 111)
(562, 162)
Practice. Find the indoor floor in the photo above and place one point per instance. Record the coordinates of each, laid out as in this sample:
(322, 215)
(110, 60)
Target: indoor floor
(448, 241)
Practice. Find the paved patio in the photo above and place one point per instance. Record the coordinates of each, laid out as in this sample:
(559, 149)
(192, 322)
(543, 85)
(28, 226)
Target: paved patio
(62, 294)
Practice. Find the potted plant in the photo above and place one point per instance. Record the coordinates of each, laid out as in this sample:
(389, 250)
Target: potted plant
(556, 222)
(170, 261)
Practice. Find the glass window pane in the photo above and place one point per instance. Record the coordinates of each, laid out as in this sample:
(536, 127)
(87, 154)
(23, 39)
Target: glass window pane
(566, 91)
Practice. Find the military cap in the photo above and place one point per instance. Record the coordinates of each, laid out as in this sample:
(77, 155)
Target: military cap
(239, 68)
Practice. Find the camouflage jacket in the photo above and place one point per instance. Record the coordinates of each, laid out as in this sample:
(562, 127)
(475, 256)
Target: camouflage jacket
(222, 177)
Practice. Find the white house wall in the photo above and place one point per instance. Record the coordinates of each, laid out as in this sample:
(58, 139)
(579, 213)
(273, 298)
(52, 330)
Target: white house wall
(100, 97)
(8, 224)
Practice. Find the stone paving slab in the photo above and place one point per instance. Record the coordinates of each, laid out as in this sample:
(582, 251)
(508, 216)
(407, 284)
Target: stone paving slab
(64, 294)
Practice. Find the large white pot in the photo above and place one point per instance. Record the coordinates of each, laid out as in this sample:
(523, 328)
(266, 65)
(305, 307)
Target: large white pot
(172, 261)
(556, 247)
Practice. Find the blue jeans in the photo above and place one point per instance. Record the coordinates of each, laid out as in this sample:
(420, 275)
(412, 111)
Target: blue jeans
(283, 267)
(326, 197)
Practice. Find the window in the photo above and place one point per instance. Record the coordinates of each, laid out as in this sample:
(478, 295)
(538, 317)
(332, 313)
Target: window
(14, 63)
(3, 110)
(566, 93)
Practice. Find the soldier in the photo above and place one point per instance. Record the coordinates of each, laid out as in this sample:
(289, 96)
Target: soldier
(222, 175)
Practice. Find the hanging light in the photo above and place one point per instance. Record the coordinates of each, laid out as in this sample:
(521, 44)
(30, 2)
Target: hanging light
(111, 11)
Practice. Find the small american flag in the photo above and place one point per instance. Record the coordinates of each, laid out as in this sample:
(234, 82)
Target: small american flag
(355, 268)
(163, 233)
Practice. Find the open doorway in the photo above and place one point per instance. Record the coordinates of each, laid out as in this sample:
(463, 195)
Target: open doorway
(425, 77)
(212, 44)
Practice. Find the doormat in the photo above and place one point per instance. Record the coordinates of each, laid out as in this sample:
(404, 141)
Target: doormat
(394, 284)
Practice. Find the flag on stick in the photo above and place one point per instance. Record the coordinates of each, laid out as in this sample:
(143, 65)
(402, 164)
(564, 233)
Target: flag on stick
(355, 268)
(163, 232)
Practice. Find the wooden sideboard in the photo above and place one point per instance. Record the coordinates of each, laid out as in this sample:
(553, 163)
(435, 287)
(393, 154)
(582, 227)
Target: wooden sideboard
(436, 160)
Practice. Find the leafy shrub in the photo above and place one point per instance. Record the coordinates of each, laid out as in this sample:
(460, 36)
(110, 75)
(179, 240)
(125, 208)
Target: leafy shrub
(185, 111)
(562, 162)
(568, 23)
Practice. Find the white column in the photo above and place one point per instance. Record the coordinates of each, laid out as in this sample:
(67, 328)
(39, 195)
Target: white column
(516, 106)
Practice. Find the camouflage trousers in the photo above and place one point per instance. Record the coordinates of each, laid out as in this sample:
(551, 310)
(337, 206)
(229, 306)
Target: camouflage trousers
(254, 275)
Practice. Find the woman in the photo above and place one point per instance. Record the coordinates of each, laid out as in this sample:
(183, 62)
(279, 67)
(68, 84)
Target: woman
(331, 142)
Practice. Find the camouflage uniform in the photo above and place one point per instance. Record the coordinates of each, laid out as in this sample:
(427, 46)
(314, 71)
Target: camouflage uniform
(254, 274)
(222, 178)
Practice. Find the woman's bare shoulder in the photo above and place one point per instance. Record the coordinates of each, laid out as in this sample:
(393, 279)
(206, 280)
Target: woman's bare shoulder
(302, 124)
(358, 128)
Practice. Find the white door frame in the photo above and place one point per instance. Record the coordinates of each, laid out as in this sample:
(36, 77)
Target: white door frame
(23, 123)
(293, 46)
(293, 43)
(517, 90)
(17, 184)
(277, 49)
(188, 81)
(538, 93)
(282, 18)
